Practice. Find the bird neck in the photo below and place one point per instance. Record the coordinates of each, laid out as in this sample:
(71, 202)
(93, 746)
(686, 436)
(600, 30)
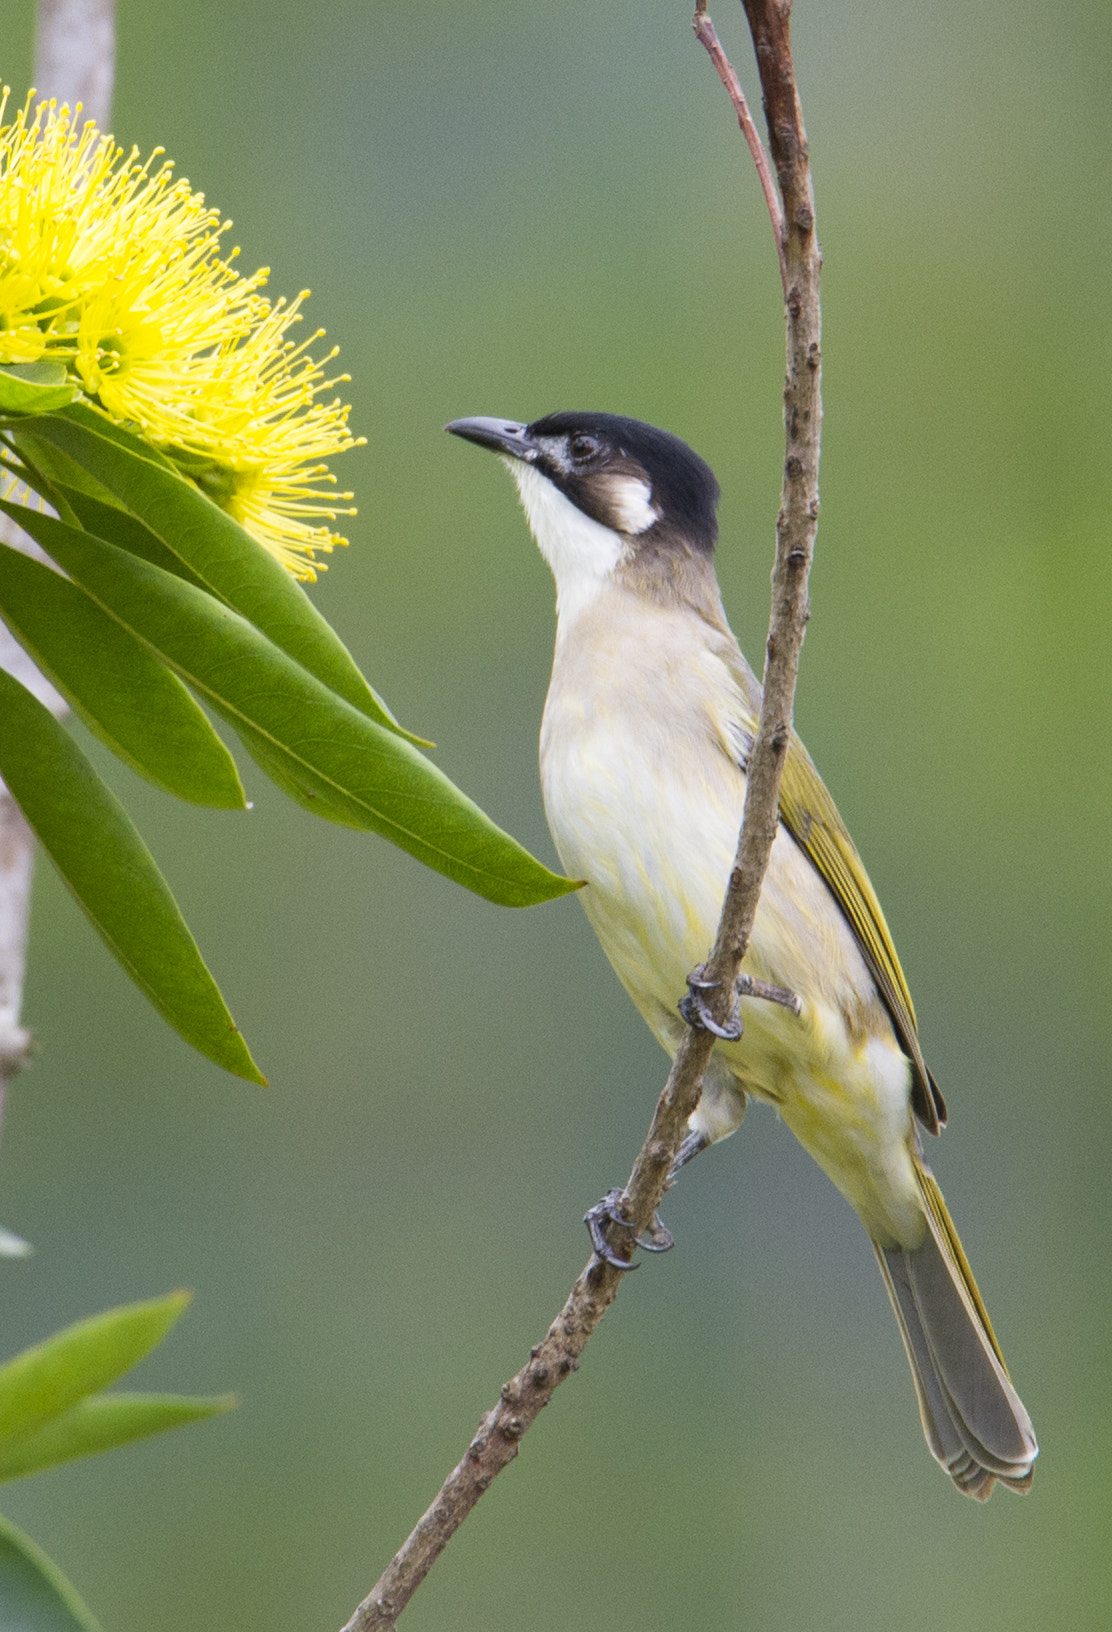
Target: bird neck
(582, 553)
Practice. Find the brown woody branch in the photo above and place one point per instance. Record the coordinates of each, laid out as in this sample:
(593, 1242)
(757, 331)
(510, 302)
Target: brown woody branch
(707, 36)
(500, 1430)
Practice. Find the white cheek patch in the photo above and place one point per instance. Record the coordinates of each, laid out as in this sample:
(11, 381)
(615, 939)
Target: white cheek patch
(631, 501)
(581, 552)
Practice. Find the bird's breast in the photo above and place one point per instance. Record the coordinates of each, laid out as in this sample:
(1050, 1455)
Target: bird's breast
(644, 800)
(641, 802)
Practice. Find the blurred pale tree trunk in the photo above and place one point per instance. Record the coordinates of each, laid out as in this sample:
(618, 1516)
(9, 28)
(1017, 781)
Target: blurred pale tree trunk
(75, 54)
(75, 59)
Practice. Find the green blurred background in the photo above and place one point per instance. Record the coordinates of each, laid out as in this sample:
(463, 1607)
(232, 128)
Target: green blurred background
(506, 209)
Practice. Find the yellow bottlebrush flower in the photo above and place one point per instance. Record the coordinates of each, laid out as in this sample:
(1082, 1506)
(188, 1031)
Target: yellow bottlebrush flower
(114, 267)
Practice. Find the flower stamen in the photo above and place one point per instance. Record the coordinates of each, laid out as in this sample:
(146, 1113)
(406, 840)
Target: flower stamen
(111, 265)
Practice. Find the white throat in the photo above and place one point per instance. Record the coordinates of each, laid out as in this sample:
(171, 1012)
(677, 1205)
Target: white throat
(581, 552)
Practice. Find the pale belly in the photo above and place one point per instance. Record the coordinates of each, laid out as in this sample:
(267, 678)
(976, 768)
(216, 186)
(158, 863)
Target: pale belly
(652, 824)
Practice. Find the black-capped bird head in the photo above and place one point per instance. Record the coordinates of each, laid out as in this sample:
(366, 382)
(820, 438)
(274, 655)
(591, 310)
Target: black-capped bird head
(607, 496)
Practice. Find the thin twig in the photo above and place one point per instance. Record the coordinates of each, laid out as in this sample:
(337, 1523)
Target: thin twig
(500, 1430)
(707, 36)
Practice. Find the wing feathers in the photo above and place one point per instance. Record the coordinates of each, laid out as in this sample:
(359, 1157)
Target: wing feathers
(810, 816)
(974, 1421)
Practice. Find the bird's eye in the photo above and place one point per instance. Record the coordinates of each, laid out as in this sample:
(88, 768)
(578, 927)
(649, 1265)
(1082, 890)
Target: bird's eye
(582, 448)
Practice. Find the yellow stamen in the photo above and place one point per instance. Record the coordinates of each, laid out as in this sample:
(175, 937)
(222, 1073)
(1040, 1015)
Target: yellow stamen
(113, 266)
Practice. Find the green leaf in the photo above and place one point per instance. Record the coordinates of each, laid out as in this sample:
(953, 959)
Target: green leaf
(34, 388)
(323, 752)
(34, 1594)
(51, 469)
(92, 842)
(42, 1382)
(123, 529)
(213, 548)
(103, 1422)
(82, 412)
(127, 697)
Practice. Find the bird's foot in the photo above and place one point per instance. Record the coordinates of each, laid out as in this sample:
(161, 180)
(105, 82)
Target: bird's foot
(607, 1212)
(692, 1146)
(749, 986)
(696, 1010)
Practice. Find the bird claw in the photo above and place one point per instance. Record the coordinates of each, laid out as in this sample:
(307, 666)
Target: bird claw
(658, 1239)
(693, 1144)
(606, 1212)
(696, 1010)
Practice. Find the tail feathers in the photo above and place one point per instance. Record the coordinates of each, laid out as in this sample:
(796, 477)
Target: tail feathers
(973, 1419)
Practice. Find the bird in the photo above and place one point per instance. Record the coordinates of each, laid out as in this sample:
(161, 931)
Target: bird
(649, 720)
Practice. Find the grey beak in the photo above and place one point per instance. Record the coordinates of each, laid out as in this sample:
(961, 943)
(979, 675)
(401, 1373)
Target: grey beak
(502, 435)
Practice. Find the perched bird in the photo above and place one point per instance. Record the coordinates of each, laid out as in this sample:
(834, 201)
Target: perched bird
(650, 717)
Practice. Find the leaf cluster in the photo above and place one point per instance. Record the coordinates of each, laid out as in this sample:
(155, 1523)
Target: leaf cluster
(162, 602)
(53, 1408)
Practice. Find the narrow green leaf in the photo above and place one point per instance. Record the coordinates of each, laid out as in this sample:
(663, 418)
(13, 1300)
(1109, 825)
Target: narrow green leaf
(34, 1594)
(46, 1380)
(92, 842)
(82, 412)
(44, 371)
(322, 752)
(51, 468)
(127, 697)
(28, 465)
(103, 1422)
(34, 388)
(123, 529)
(230, 564)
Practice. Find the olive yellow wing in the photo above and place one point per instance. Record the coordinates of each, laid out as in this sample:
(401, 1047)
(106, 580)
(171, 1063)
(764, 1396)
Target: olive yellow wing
(809, 813)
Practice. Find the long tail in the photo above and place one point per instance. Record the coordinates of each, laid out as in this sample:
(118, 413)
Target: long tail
(973, 1419)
